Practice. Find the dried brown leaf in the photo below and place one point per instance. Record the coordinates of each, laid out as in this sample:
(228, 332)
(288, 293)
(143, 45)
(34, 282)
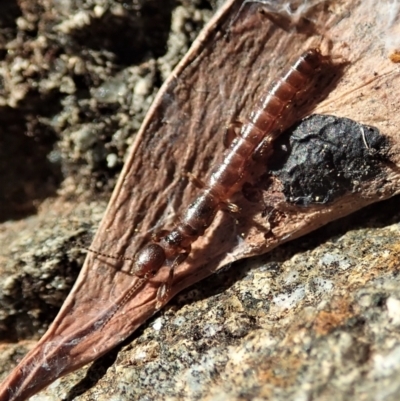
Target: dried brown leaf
(226, 70)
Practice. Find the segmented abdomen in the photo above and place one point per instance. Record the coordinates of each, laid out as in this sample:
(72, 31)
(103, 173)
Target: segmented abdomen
(264, 124)
(261, 126)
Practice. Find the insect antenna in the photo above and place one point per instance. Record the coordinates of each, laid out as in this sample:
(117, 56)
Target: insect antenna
(107, 255)
(126, 298)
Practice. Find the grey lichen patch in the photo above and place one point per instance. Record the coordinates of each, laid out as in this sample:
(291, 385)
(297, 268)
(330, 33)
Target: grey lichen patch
(323, 157)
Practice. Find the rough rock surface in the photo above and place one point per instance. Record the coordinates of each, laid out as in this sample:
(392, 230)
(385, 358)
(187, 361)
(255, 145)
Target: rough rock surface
(315, 319)
(318, 318)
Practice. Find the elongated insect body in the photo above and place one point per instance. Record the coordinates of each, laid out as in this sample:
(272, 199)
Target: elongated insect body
(263, 125)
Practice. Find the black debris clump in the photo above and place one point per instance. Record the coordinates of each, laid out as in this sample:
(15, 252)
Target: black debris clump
(324, 156)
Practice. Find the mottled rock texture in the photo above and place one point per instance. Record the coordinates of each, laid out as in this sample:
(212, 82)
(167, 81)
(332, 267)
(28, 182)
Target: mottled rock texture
(317, 318)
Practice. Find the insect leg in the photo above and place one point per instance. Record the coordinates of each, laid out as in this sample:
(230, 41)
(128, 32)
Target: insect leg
(196, 181)
(264, 150)
(231, 132)
(165, 288)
